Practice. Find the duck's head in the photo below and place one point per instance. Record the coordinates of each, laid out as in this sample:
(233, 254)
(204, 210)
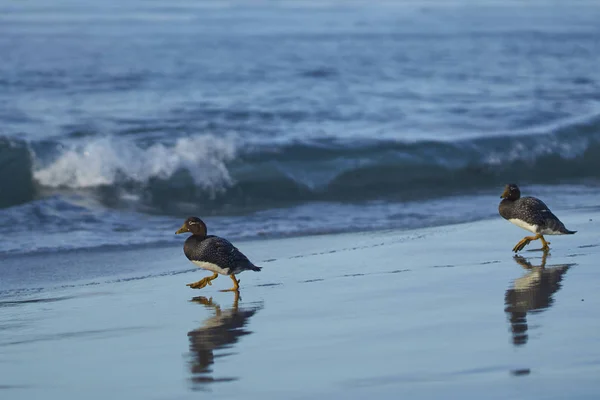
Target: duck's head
(511, 192)
(194, 225)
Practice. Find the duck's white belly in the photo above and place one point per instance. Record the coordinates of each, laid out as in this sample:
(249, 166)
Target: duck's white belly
(211, 267)
(522, 224)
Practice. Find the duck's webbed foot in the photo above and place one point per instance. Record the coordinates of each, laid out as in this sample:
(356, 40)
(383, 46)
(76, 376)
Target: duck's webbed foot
(524, 242)
(203, 282)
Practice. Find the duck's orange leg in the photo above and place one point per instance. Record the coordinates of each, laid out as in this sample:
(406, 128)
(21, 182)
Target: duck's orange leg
(236, 285)
(527, 239)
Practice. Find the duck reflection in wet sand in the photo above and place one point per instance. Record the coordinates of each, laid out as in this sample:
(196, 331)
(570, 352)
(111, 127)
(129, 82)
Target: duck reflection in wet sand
(531, 293)
(221, 331)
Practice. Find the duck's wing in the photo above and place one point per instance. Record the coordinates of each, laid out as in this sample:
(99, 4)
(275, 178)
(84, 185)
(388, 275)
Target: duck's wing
(220, 251)
(536, 212)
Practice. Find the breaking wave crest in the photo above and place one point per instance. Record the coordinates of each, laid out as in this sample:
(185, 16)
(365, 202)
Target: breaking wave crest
(109, 161)
(225, 175)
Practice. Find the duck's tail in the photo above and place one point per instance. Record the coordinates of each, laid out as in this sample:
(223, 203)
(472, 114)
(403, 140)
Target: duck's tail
(556, 226)
(564, 231)
(255, 268)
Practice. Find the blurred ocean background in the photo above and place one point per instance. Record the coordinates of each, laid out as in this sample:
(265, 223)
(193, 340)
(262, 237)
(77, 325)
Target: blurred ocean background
(118, 119)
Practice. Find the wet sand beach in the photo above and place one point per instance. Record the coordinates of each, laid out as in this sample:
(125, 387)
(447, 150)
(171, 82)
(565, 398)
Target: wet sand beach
(444, 312)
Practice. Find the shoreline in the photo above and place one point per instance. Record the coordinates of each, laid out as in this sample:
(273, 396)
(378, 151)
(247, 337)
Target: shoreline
(312, 219)
(165, 251)
(348, 315)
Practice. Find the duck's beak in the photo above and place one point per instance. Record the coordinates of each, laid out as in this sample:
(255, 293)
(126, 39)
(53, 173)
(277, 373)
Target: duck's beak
(505, 193)
(183, 229)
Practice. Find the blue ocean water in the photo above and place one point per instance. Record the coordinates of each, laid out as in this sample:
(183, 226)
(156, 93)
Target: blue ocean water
(120, 119)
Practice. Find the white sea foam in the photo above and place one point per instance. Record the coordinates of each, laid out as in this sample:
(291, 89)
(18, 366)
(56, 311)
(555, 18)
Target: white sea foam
(106, 160)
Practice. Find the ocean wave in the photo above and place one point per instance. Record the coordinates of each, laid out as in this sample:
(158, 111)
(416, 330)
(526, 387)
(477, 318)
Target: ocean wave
(67, 224)
(221, 175)
(109, 161)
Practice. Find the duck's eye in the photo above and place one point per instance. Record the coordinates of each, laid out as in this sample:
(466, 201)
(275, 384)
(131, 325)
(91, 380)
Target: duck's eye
(192, 223)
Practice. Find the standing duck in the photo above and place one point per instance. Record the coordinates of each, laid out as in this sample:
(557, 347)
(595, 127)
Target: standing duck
(531, 214)
(214, 254)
